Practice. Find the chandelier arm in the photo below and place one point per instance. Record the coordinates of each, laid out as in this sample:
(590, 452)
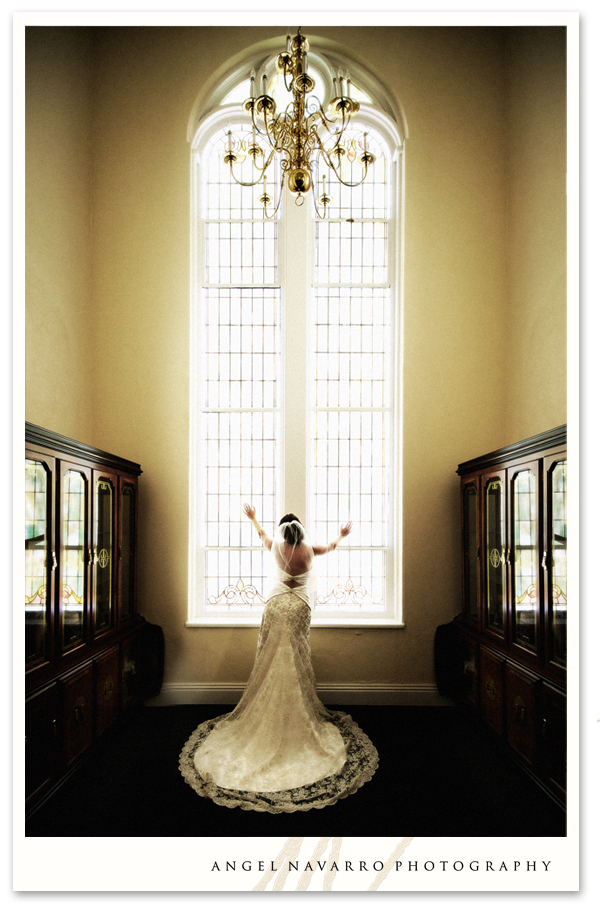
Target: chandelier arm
(317, 212)
(312, 121)
(271, 131)
(260, 175)
(289, 87)
(244, 183)
(330, 164)
(277, 207)
(262, 125)
(338, 133)
(281, 141)
(326, 121)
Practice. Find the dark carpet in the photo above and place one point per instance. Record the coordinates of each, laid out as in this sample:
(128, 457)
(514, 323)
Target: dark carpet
(440, 775)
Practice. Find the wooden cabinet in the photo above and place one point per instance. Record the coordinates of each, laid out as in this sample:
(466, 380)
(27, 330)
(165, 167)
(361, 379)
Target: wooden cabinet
(514, 584)
(82, 628)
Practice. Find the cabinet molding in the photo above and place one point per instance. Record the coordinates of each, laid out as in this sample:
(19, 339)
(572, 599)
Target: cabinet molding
(533, 445)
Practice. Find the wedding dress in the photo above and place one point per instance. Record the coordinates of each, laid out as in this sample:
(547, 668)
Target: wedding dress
(280, 749)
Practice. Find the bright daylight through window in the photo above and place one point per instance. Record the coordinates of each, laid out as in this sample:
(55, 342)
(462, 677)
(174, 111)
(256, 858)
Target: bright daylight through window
(296, 376)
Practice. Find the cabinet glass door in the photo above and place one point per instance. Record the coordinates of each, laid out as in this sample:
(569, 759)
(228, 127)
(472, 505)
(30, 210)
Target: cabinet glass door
(103, 555)
(495, 556)
(127, 551)
(37, 561)
(470, 549)
(558, 561)
(525, 558)
(73, 558)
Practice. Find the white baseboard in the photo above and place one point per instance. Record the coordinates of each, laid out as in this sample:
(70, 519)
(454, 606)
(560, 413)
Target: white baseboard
(342, 694)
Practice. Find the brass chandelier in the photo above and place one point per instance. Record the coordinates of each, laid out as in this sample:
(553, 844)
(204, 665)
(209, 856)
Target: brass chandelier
(303, 136)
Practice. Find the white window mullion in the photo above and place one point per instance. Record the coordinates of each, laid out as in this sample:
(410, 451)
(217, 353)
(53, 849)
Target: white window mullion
(296, 270)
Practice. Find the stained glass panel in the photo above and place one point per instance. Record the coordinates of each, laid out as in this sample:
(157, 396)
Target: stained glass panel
(127, 552)
(470, 549)
(103, 557)
(351, 391)
(495, 555)
(559, 561)
(37, 562)
(72, 566)
(525, 541)
(240, 427)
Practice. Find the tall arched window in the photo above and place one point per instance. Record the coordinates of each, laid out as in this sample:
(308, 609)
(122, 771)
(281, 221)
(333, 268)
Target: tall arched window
(296, 368)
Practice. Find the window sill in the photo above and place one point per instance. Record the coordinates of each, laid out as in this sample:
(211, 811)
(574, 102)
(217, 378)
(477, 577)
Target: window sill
(316, 623)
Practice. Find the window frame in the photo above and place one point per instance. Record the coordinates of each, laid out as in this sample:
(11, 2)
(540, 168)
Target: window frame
(198, 614)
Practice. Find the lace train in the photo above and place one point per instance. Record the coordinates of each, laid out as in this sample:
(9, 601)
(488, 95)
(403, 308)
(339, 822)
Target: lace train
(360, 766)
(280, 749)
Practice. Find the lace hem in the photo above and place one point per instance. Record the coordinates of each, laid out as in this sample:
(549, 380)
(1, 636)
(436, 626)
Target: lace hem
(361, 763)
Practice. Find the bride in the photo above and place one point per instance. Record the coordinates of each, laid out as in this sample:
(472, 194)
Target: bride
(281, 749)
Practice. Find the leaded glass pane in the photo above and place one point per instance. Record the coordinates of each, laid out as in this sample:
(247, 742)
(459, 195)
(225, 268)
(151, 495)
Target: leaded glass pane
(559, 561)
(525, 542)
(241, 252)
(236, 580)
(72, 564)
(371, 199)
(350, 476)
(351, 340)
(351, 252)
(37, 563)
(240, 429)
(127, 551)
(103, 559)
(495, 556)
(351, 580)
(223, 198)
(470, 550)
(241, 352)
(351, 392)
(242, 344)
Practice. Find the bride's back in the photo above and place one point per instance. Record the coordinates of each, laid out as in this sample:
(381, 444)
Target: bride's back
(293, 560)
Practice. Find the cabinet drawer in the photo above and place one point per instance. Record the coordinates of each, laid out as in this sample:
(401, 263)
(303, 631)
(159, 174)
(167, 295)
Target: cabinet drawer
(521, 692)
(491, 697)
(553, 739)
(78, 713)
(107, 690)
(130, 672)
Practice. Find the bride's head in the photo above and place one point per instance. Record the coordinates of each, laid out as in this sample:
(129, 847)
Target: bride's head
(291, 529)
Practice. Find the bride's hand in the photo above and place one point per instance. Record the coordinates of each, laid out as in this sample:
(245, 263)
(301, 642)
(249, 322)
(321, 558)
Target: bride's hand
(345, 529)
(249, 511)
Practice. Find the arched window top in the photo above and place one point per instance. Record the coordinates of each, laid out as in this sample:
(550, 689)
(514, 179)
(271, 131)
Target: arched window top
(230, 86)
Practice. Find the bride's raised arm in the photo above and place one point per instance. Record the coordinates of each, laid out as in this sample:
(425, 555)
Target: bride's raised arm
(344, 531)
(250, 512)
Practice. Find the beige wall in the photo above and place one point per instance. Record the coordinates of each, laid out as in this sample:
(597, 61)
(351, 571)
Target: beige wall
(536, 213)
(483, 265)
(60, 350)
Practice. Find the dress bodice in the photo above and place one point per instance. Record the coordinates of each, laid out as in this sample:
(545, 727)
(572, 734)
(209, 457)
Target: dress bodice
(286, 558)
